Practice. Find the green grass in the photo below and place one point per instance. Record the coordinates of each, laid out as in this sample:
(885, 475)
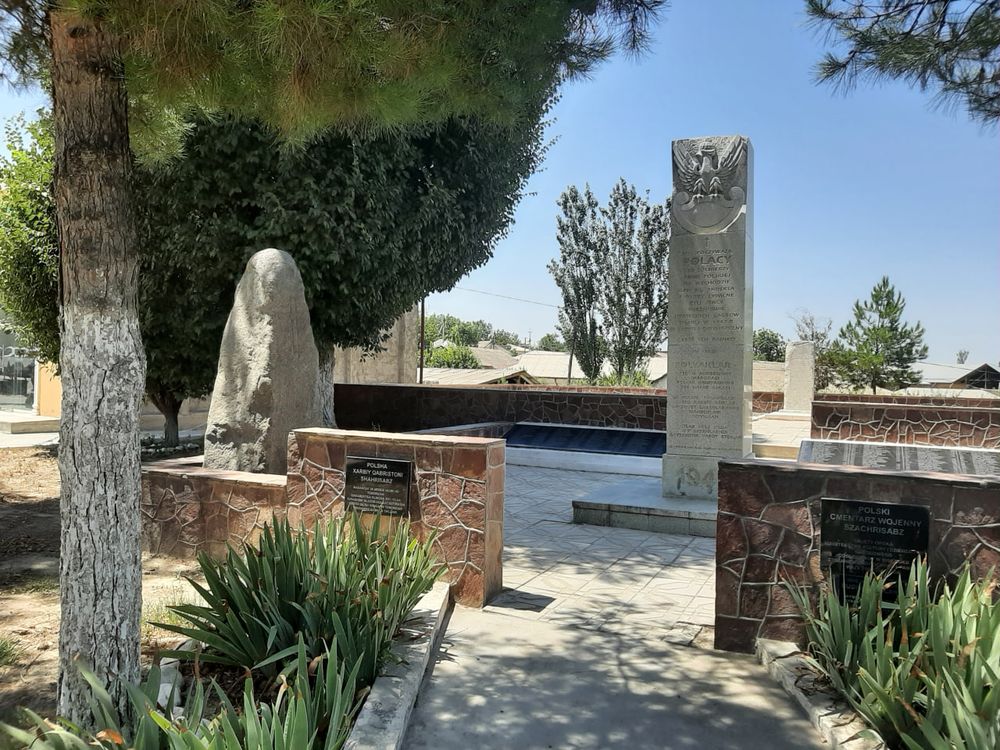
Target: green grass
(10, 651)
(29, 583)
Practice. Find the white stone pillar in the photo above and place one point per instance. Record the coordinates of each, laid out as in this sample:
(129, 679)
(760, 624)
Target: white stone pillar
(710, 331)
(800, 376)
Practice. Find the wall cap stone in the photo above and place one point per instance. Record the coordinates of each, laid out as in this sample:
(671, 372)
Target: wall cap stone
(385, 716)
(794, 467)
(183, 469)
(399, 438)
(838, 724)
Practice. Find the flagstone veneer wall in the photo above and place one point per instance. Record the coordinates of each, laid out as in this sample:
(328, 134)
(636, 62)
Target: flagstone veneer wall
(187, 509)
(405, 408)
(765, 402)
(456, 491)
(920, 423)
(768, 533)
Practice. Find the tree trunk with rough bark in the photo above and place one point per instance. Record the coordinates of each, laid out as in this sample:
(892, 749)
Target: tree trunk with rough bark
(102, 365)
(170, 406)
(326, 385)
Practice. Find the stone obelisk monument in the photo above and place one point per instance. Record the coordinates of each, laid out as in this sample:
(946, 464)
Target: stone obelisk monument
(710, 316)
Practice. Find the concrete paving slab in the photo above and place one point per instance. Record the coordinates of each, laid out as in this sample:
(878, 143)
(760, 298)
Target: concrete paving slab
(589, 644)
(504, 682)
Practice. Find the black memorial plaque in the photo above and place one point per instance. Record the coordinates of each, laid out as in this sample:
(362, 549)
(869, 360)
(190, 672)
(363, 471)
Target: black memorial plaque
(377, 485)
(857, 536)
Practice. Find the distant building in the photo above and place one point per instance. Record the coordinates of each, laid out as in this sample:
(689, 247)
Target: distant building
(515, 375)
(938, 375)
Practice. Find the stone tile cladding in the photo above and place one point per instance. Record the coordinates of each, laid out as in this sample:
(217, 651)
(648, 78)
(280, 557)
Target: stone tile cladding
(768, 531)
(867, 398)
(407, 408)
(928, 424)
(187, 509)
(457, 490)
(765, 402)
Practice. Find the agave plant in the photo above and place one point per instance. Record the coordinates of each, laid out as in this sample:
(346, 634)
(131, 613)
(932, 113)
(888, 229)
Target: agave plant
(924, 670)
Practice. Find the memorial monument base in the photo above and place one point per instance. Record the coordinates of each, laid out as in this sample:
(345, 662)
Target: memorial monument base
(692, 477)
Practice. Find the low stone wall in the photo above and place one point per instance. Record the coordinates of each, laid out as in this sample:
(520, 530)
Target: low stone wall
(407, 408)
(868, 398)
(479, 429)
(954, 426)
(412, 408)
(765, 402)
(768, 533)
(187, 509)
(456, 491)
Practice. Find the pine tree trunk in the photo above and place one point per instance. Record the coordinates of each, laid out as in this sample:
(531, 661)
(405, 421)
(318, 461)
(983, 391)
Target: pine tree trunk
(102, 364)
(326, 385)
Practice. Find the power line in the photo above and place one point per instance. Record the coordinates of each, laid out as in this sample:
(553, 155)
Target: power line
(504, 296)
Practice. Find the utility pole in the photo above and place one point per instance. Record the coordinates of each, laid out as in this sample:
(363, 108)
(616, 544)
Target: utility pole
(420, 378)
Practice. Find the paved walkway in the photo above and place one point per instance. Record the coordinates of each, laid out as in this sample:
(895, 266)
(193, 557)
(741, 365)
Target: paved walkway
(590, 646)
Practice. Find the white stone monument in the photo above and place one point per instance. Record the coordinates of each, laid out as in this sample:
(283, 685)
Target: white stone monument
(710, 331)
(800, 376)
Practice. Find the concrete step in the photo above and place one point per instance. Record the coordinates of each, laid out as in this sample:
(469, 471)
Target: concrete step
(14, 423)
(638, 503)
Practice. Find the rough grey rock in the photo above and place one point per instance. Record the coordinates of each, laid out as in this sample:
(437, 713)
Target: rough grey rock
(268, 378)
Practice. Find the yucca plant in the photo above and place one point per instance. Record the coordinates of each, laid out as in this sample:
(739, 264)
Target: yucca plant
(343, 582)
(923, 670)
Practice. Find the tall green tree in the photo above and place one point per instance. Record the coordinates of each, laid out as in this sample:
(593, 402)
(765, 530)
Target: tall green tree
(576, 273)
(950, 46)
(877, 348)
(612, 272)
(551, 342)
(768, 345)
(632, 268)
(298, 67)
(418, 210)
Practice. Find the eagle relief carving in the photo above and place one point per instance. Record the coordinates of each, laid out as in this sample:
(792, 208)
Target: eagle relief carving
(707, 196)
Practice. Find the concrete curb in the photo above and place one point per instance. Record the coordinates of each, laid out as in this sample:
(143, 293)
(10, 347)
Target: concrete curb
(838, 724)
(385, 716)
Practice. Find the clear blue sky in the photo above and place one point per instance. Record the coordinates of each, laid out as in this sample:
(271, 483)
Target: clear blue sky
(848, 187)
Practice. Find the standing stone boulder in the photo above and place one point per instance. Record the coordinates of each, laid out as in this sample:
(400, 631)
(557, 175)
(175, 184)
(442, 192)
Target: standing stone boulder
(268, 378)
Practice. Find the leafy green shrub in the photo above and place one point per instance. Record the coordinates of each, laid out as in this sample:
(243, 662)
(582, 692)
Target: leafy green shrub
(634, 379)
(454, 356)
(923, 671)
(342, 583)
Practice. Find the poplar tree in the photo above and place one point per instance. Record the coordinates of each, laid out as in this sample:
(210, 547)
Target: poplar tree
(576, 273)
(632, 268)
(612, 271)
(299, 66)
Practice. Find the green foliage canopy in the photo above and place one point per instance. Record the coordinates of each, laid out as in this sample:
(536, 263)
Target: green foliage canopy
(768, 346)
(371, 65)
(952, 46)
(453, 356)
(551, 342)
(374, 224)
(29, 260)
